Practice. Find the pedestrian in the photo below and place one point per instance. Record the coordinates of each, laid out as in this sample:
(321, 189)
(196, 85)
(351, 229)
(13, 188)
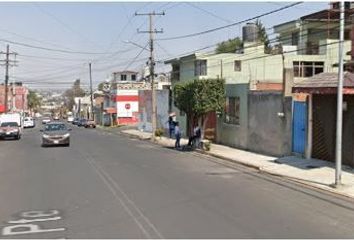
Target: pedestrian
(195, 138)
(171, 126)
(198, 135)
(178, 136)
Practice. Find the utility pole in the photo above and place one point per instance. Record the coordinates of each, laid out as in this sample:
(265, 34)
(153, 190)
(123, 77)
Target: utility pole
(340, 101)
(152, 66)
(7, 64)
(91, 96)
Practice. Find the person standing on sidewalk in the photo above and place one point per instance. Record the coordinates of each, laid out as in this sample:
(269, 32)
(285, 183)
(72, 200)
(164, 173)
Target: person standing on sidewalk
(171, 126)
(178, 136)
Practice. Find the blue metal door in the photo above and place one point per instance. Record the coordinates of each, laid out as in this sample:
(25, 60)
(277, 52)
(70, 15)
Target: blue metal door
(299, 127)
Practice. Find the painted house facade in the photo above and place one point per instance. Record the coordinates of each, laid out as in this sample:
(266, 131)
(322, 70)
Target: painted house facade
(259, 108)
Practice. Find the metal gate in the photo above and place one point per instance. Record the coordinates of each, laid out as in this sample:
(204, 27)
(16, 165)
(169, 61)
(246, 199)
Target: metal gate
(299, 127)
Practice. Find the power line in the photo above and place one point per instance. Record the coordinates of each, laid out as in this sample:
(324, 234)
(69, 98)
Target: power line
(272, 40)
(207, 12)
(230, 25)
(134, 59)
(65, 25)
(49, 49)
(35, 40)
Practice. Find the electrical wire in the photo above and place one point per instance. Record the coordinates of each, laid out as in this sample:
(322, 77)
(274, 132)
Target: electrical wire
(141, 51)
(207, 12)
(230, 25)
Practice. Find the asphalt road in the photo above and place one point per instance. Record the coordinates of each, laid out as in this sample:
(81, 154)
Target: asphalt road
(110, 186)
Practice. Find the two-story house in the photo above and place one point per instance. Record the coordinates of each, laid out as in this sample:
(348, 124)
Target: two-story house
(258, 112)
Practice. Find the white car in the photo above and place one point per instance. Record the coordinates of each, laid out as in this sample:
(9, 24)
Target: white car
(70, 119)
(46, 120)
(28, 122)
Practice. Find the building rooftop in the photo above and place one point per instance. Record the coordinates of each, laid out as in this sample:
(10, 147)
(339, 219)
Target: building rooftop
(323, 83)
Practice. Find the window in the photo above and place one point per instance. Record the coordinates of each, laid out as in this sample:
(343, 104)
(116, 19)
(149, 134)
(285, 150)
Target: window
(237, 66)
(133, 77)
(123, 77)
(294, 38)
(175, 73)
(232, 115)
(307, 69)
(200, 68)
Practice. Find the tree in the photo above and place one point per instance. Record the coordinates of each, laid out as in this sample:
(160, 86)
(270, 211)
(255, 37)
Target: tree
(232, 45)
(34, 102)
(229, 46)
(74, 91)
(197, 98)
(263, 36)
(100, 86)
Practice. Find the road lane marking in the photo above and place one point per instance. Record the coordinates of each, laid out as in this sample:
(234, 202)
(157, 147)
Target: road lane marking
(31, 228)
(22, 221)
(124, 200)
(37, 214)
(26, 226)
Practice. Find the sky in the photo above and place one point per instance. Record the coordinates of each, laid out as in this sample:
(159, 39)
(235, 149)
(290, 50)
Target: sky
(106, 35)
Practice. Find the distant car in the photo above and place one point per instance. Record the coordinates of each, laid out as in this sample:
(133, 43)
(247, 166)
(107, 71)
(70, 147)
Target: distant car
(46, 120)
(82, 122)
(76, 121)
(10, 129)
(55, 133)
(56, 117)
(70, 119)
(28, 122)
(90, 124)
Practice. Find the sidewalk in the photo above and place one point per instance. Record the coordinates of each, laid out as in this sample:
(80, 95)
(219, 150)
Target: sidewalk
(312, 172)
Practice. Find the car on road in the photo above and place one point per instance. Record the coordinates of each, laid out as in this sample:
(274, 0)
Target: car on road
(46, 120)
(90, 124)
(70, 119)
(10, 129)
(82, 122)
(76, 121)
(55, 133)
(28, 122)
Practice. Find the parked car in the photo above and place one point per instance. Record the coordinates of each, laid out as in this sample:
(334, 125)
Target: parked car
(56, 117)
(46, 120)
(70, 119)
(82, 122)
(28, 122)
(90, 124)
(55, 133)
(10, 129)
(76, 121)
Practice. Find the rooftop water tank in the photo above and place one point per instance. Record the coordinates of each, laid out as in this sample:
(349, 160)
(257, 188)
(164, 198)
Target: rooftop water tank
(250, 32)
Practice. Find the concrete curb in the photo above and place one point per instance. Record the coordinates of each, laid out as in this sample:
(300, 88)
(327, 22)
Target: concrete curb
(229, 159)
(306, 183)
(257, 167)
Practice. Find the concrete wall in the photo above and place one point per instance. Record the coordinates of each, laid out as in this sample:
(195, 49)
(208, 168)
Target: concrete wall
(267, 132)
(145, 109)
(230, 134)
(261, 129)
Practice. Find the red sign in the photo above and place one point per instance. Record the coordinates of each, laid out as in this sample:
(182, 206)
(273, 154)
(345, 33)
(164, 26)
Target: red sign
(127, 106)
